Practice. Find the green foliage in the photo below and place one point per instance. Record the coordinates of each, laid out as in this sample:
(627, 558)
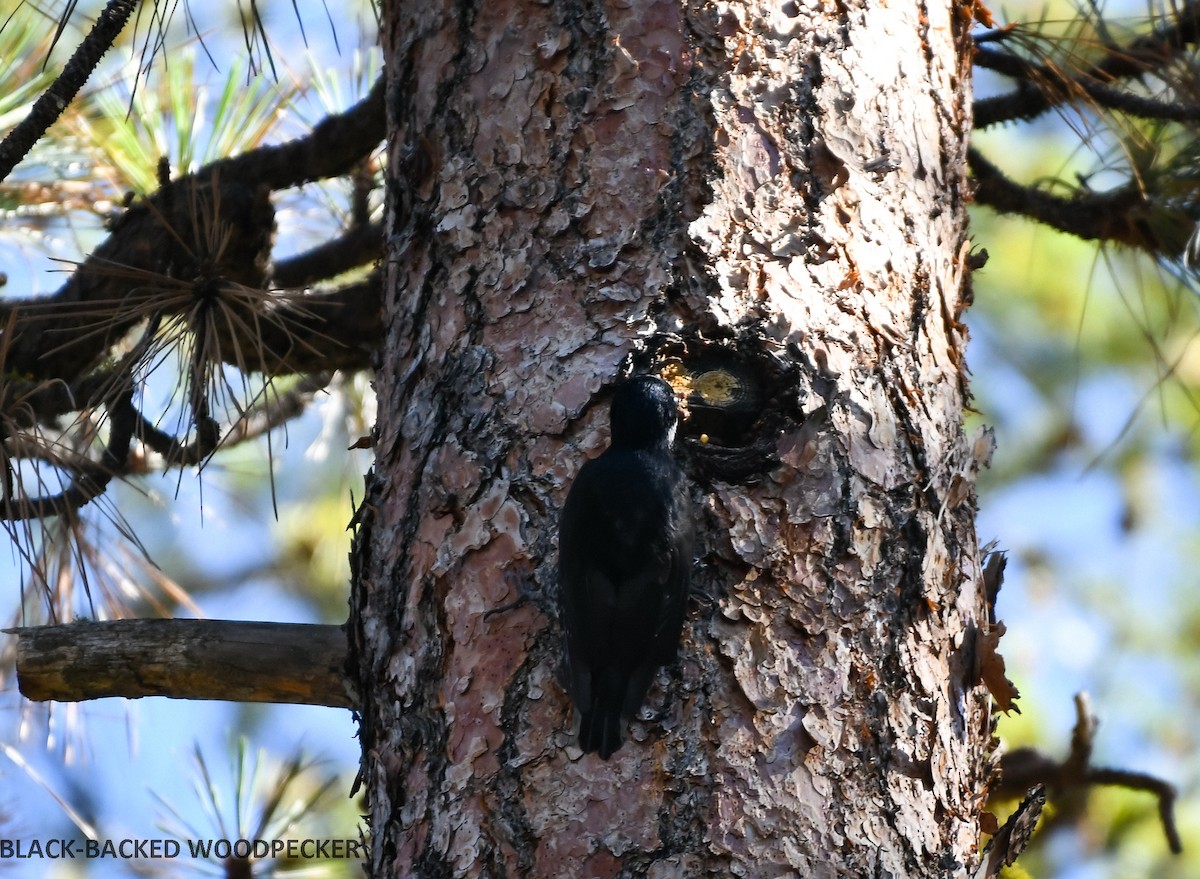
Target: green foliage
(1084, 358)
(233, 537)
(24, 44)
(263, 799)
(127, 130)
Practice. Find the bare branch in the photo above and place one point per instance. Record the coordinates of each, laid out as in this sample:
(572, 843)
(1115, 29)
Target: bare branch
(1024, 768)
(361, 244)
(89, 479)
(320, 331)
(185, 659)
(1042, 88)
(275, 411)
(332, 148)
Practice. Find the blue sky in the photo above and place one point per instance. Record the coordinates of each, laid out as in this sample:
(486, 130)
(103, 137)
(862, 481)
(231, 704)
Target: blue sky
(1081, 595)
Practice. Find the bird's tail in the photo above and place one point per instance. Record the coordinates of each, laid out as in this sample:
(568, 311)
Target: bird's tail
(600, 722)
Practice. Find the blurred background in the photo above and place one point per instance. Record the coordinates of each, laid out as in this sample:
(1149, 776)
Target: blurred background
(260, 533)
(1085, 363)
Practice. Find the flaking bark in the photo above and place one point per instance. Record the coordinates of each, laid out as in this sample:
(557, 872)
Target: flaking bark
(574, 186)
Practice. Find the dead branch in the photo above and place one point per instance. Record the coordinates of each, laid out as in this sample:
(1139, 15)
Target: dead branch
(360, 245)
(1070, 779)
(89, 479)
(185, 659)
(276, 410)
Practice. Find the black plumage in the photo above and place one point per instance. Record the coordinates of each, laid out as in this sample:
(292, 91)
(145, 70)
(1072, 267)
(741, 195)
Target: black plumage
(624, 564)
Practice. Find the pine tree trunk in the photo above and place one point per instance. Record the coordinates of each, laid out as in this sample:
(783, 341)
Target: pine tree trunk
(778, 187)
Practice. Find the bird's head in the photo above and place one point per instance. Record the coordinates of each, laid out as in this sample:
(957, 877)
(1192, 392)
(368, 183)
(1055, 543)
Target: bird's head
(644, 413)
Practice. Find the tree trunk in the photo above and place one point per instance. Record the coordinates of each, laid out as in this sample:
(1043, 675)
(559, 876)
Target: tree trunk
(773, 191)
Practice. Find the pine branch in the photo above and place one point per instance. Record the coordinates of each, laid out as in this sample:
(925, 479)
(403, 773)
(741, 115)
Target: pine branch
(1044, 86)
(17, 144)
(157, 261)
(361, 244)
(1124, 215)
(89, 479)
(331, 149)
(275, 411)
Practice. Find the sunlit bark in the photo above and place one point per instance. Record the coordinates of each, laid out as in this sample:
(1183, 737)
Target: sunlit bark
(776, 186)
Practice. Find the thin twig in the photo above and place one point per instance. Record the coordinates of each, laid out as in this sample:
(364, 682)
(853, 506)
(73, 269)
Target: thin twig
(51, 105)
(1026, 767)
(1042, 87)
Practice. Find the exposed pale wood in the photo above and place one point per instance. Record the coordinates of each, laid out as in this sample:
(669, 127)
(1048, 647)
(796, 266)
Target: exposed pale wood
(185, 659)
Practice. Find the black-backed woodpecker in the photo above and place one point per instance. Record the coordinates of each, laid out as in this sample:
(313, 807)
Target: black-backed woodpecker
(624, 564)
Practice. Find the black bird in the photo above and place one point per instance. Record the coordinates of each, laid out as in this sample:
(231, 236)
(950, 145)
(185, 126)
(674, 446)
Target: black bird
(624, 564)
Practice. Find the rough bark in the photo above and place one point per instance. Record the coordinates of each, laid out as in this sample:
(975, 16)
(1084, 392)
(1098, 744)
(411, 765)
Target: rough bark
(575, 186)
